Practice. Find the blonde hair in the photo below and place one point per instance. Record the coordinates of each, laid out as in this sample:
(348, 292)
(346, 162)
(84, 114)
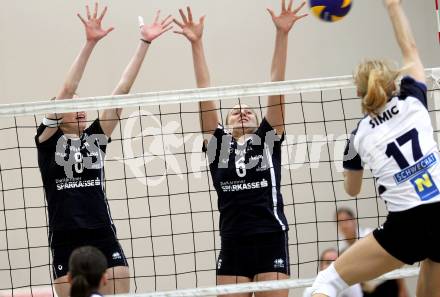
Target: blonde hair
(375, 81)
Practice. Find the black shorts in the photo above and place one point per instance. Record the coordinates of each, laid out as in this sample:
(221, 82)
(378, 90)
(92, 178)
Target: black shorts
(254, 254)
(412, 235)
(63, 243)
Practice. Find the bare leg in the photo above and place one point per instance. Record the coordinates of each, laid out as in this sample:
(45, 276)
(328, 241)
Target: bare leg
(363, 261)
(118, 281)
(232, 279)
(268, 276)
(428, 284)
(62, 286)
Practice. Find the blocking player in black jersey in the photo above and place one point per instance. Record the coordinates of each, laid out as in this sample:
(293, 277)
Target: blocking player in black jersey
(71, 161)
(395, 140)
(245, 164)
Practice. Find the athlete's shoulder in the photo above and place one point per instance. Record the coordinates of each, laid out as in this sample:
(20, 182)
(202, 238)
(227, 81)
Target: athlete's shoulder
(94, 128)
(266, 132)
(409, 87)
(49, 142)
(361, 127)
(95, 131)
(352, 159)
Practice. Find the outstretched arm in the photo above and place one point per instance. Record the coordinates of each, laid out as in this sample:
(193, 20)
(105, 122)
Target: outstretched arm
(94, 33)
(193, 32)
(405, 39)
(283, 24)
(109, 118)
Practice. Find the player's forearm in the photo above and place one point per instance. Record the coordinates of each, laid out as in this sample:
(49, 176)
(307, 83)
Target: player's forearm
(279, 60)
(201, 71)
(76, 71)
(208, 109)
(402, 30)
(132, 70)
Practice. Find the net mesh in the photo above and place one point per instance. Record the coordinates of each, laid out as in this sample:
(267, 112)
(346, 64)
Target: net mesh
(160, 191)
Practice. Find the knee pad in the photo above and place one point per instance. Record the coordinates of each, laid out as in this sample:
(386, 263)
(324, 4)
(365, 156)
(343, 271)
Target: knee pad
(329, 283)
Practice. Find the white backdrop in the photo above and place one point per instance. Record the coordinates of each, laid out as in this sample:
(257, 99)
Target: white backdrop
(40, 39)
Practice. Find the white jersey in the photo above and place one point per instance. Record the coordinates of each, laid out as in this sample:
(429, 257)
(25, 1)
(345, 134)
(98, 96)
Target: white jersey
(399, 147)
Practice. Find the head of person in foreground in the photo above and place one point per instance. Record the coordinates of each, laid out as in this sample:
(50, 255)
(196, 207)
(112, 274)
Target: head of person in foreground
(87, 271)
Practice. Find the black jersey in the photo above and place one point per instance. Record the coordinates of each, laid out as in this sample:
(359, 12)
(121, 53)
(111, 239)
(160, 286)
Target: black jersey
(72, 171)
(247, 180)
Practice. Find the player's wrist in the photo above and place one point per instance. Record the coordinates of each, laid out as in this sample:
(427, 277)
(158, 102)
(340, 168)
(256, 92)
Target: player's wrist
(282, 32)
(196, 42)
(91, 41)
(146, 40)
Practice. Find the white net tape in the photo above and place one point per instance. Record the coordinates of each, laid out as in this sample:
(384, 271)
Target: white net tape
(261, 286)
(186, 96)
(177, 96)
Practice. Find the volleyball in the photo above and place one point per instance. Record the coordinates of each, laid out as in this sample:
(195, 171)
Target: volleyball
(330, 10)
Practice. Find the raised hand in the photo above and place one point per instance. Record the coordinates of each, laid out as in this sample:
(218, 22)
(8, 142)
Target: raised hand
(157, 28)
(191, 30)
(288, 17)
(93, 24)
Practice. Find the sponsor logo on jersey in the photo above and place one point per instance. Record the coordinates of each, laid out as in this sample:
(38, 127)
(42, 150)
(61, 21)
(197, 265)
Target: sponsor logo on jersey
(240, 185)
(76, 182)
(425, 186)
(278, 263)
(420, 166)
(116, 256)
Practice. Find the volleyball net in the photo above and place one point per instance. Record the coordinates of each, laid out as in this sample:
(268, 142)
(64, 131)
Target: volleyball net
(160, 191)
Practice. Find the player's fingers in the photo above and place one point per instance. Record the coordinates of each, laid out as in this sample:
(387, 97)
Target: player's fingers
(81, 18)
(190, 16)
(168, 19)
(156, 18)
(88, 12)
(103, 13)
(271, 12)
(185, 20)
(178, 23)
(95, 12)
(289, 7)
(299, 7)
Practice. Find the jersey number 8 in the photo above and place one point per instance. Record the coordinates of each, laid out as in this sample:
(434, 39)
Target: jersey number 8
(79, 166)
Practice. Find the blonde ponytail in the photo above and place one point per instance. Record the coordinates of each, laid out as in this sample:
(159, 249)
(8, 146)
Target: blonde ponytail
(375, 80)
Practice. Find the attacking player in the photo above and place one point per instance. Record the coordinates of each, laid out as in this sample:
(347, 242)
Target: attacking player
(396, 141)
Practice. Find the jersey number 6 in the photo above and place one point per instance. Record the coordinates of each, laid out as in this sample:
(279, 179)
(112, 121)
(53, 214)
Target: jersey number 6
(240, 167)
